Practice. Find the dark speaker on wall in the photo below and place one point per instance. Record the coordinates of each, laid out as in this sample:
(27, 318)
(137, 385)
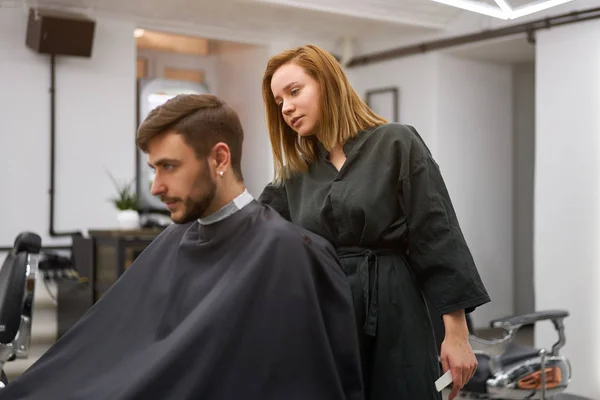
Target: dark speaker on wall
(60, 33)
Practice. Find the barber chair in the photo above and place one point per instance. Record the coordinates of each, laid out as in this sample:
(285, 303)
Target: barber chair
(17, 286)
(508, 370)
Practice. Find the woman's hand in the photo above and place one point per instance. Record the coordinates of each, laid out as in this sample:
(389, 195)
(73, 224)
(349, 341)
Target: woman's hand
(456, 352)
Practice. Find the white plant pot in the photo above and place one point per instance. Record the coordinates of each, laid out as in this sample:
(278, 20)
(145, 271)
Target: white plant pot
(128, 219)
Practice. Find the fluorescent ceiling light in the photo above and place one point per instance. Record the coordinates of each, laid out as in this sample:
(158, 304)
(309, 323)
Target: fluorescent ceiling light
(537, 7)
(475, 6)
(504, 10)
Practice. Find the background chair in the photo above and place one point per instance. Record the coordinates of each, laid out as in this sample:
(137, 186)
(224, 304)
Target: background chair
(17, 286)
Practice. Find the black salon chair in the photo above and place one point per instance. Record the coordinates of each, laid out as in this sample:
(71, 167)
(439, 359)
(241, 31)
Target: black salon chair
(17, 286)
(508, 370)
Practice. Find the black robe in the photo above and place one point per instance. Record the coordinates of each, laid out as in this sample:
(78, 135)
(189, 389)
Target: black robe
(251, 307)
(388, 213)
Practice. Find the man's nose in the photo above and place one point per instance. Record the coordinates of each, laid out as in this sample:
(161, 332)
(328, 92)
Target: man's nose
(157, 188)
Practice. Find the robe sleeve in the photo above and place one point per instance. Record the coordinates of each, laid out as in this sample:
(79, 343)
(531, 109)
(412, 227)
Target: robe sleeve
(437, 250)
(275, 196)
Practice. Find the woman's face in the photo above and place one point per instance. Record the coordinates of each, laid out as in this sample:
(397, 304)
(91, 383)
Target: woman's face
(297, 96)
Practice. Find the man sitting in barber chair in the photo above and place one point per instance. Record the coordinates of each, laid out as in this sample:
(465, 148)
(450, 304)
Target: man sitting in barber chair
(231, 302)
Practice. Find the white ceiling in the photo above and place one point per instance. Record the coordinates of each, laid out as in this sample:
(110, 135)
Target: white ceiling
(387, 22)
(266, 20)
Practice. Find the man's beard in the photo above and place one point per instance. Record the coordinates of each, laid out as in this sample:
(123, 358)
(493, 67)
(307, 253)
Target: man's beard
(195, 208)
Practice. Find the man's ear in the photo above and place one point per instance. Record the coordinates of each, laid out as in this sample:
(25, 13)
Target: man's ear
(222, 156)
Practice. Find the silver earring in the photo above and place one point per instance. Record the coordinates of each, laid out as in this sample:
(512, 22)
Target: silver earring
(221, 173)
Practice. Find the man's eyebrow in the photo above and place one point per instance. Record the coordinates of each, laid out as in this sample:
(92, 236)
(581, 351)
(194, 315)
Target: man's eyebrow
(163, 161)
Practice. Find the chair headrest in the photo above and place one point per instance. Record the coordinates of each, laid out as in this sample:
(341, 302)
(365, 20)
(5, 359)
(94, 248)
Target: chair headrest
(12, 290)
(13, 277)
(28, 242)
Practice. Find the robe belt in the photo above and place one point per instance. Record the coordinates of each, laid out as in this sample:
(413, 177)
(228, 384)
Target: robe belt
(369, 265)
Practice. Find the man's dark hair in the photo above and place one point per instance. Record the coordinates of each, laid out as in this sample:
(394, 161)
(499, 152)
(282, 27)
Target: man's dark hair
(202, 119)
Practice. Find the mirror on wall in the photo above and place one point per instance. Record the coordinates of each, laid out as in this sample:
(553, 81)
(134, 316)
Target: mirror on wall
(152, 93)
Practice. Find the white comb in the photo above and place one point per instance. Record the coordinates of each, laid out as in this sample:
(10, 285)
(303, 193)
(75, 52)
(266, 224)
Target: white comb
(443, 381)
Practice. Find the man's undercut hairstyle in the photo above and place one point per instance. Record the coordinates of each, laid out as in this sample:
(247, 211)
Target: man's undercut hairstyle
(202, 119)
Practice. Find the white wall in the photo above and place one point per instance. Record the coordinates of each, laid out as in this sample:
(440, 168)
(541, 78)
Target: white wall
(95, 127)
(523, 176)
(567, 202)
(240, 77)
(474, 150)
(416, 78)
(463, 109)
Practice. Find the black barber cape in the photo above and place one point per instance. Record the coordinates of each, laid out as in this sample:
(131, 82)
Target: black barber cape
(250, 307)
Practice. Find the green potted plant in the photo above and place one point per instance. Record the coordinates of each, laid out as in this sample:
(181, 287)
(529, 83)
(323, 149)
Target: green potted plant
(126, 203)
